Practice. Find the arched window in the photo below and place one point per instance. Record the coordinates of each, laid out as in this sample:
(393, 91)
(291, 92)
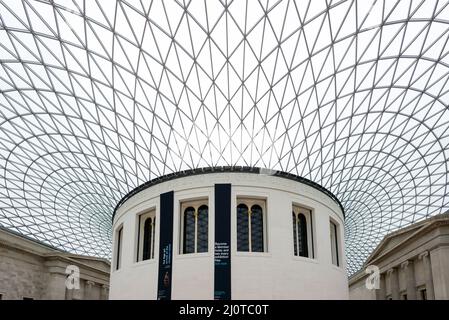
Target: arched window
(154, 233)
(302, 236)
(203, 223)
(295, 233)
(302, 224)
(251, 225)
(189, 230)
(256, 228)
(334, 243)
(118, 250)
(195, 227)
(242, 228)
(146, 235)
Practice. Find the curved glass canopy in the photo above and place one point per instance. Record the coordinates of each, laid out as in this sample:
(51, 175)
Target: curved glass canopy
(98, 97)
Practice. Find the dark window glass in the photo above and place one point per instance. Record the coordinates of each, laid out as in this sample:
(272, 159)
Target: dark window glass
(147, 239)
(295, 234)
(242, 228)
(139, 244)
(423, 294)
(334, 244)
(302, 236)
(189, 230)
(154, 232)
(203, 228)
(256, 229)
(119, 248)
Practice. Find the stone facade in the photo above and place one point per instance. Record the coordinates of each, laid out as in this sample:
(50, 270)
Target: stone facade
(413, 264)
(30, 269)
(275, 273)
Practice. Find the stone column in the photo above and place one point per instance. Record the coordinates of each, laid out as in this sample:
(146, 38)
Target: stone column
(409, 270)
(88, 295)
(393, 277)
(104, 292)
(69, 294)
(56, 287)
(427, 274)
(381, 293)
(439, 263)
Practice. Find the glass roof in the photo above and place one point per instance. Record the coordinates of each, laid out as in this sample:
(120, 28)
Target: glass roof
(98, 97)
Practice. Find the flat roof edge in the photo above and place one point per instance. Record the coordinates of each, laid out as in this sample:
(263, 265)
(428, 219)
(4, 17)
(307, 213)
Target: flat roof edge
(222, 169)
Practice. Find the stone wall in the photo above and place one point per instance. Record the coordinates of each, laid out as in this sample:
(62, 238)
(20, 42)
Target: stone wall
(29, 269)
(21, 274)
(416, 267)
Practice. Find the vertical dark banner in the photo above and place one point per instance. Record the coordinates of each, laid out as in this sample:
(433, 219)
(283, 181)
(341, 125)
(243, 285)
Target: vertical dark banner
(222, 250)
(165, 246)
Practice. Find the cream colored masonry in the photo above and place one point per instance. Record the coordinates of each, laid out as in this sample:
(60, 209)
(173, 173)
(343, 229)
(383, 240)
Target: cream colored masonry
(275, 274)
(29, 269)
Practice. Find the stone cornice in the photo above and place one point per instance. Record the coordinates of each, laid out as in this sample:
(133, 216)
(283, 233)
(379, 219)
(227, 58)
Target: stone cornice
(423, 227)
(16, 242)
(390, 271)
(423, 255)
(74, 262)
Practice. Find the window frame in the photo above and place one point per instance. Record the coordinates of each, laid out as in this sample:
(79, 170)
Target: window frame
(195, 203)
(423, 293)
(310, 221)
(118, 248)
(250, 201)
(336, 228)
(140, 236)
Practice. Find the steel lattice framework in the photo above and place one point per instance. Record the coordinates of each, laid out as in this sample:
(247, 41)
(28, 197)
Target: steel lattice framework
(98, 97)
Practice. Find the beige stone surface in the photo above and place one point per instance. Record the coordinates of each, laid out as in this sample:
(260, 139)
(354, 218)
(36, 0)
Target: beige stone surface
(274, 274)
(29, 269)
(410, 260)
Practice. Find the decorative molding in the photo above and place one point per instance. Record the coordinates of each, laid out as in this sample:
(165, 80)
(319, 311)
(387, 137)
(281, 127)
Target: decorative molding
(390, 271)
(423, 255)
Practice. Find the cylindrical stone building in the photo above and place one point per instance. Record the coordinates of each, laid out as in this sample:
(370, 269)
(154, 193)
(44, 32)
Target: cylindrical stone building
(229, 233)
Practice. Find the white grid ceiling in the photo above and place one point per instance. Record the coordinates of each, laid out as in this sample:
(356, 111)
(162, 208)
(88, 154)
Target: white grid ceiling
(98, 97)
